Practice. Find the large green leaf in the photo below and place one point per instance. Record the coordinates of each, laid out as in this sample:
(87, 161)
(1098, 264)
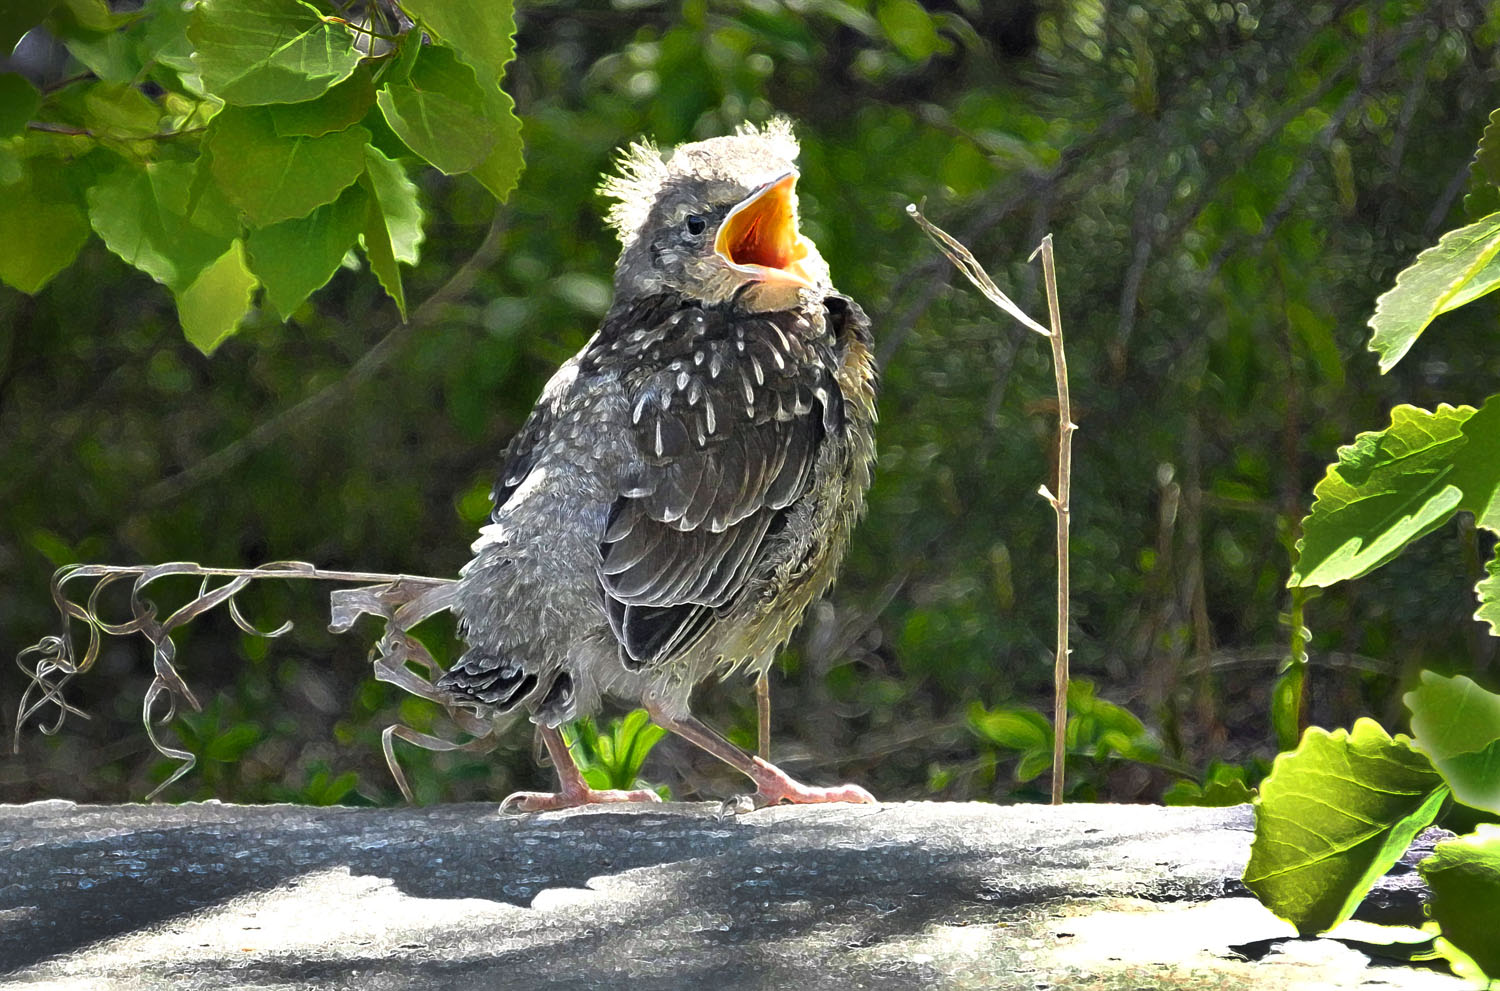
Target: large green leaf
(212, 307)
(1460, 268)
(1388, 488)
(296, 257)
(1457, 725)
(481, 31)
(141, 215)
(1334, 815)
(440, 112)
(45, 206)
(268, 51)
(273, 178)
(1464, 876)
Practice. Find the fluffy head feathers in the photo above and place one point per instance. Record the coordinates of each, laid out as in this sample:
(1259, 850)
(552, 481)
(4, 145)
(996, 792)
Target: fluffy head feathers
(642, 173)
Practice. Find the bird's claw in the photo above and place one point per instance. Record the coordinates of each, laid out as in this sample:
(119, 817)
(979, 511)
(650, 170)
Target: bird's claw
(773, 786)
(547, 801)
(736, 806)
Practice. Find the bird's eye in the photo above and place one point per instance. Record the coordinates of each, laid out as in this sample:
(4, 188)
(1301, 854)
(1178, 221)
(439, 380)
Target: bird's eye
(696, 224)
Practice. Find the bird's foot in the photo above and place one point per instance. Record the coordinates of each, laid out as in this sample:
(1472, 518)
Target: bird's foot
(546, 801)
(774, 786)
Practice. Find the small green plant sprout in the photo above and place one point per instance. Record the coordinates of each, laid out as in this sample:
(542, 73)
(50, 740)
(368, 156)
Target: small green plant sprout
(1099, 736)
(613, 759)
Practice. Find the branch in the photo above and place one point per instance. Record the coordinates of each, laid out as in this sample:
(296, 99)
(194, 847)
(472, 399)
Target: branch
(305, 410)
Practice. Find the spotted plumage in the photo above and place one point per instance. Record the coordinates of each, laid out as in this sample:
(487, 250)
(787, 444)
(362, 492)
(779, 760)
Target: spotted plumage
(687, 483)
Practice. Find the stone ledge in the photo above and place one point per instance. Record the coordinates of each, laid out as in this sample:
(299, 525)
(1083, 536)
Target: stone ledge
(908, 895)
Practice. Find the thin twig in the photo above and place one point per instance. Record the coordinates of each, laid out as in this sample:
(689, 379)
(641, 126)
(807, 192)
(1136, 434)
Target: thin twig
(966, 263)
(1061, 504)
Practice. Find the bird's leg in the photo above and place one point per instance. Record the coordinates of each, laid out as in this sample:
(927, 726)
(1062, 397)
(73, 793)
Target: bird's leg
(772, 784)
(572, 790)
(763, 715)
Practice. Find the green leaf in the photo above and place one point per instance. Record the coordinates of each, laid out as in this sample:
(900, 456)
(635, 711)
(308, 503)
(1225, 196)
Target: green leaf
(273, 178)
(1460, 268)
(296, 257)
(1224, 785)
(1334, 815)
(397, 196)
(1457, 725)
(345, 104)
(1464, 876)
(379, 249)
(268, 51)
(232, 743)
(1488, 591)
(212, 307)
(481, 31)
(18, 103)
(120, 112)
(501, 169)
(1012, 729)
(48, 209)
(19, 16)
(440, 112)
(141, 215)
(910, 28)
(1388, 488)
(1484, 173)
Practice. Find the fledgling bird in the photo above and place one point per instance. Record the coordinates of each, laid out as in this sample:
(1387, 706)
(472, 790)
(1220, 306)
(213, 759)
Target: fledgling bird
(687, 483)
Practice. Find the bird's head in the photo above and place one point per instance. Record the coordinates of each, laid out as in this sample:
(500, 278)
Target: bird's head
(716, 221)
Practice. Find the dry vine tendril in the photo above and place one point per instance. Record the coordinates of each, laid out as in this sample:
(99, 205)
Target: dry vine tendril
(402, 601)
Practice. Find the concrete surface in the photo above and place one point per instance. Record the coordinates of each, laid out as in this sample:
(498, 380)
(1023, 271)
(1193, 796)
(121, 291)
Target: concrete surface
(914, 895)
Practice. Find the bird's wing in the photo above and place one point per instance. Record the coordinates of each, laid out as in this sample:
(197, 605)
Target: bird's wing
(728, 413)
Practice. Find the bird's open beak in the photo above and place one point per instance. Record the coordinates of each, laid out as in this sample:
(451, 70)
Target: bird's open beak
(759, 236)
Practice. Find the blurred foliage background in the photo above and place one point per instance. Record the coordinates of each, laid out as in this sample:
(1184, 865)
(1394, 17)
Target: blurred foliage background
(1230, 186)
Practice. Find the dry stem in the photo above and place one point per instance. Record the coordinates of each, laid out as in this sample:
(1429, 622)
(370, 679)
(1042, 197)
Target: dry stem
(966, 263)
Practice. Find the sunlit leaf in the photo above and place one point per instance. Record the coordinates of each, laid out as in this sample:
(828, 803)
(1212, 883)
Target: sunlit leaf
(140, 214)
(1333, 816)
(1464, 877)
(379, 250)
(1388, 488)
(1460, 268)
(1457, 725)
(212, 307)
(397, 196)
(269, 51)
(273, 178)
